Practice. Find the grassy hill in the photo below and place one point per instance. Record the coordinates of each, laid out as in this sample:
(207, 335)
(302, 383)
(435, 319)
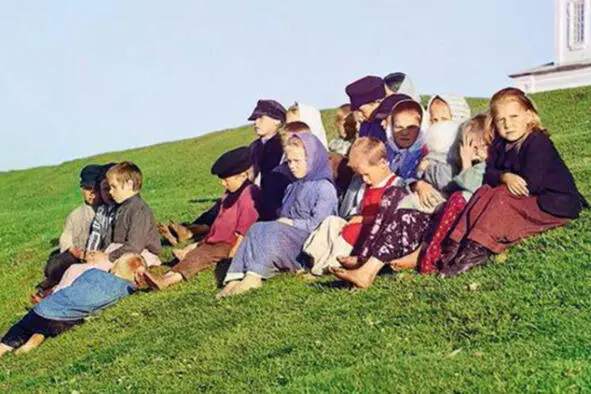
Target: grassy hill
(523, 326)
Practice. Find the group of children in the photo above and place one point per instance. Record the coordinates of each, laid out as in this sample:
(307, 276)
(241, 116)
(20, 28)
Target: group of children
(401, 186)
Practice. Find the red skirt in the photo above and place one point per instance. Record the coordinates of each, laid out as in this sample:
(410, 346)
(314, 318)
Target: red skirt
(495, 219)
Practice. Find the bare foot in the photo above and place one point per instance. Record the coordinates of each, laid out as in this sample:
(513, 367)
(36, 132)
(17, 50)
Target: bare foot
(5, 349)
(248, 283)
(162, 282)
(182, 232)
(164, 231)
(407, 262)
(32, 343)
(361, 277)
(182, 253)
(227, 289)
(349, 262)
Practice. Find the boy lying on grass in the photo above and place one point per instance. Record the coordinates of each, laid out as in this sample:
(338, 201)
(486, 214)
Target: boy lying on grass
(92, 291)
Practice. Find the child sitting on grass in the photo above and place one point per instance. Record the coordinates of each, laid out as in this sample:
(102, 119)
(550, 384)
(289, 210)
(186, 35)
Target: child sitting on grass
(237, 213)
(528, 188)
(275, 246)
(336, 236)
(92, 291)
(74, 237)
(134, 230)
(446, 107)
(473, 152)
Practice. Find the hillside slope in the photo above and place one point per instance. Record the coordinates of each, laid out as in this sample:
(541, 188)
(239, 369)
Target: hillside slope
(526, 327)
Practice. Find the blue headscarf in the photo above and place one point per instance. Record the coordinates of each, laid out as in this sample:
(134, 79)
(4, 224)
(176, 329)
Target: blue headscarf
(317, 168)
(372, 128)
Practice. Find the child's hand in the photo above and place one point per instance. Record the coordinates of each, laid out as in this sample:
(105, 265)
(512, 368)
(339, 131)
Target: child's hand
(516, 184)
(423, 165)
(467, 151)
(429, 197)
(355, 219)
(287, 221)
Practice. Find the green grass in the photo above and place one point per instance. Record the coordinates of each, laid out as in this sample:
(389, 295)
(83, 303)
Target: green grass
(526, 328)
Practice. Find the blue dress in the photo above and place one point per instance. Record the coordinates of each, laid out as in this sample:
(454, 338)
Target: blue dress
(271, 247)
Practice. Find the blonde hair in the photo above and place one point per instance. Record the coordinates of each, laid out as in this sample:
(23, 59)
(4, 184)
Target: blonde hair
(371, 149)
(292, 127)
(479, 126)
(295, 142)
(342, 112)
(126, 266)
(507, 95)
(294, 109)
(126, 171)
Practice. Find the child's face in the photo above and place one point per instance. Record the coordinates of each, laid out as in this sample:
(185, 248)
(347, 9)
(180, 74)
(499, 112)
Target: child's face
(90, 196)
(367, 109)
(296, 161)
(265, 126)
(120, 191)
(406, 126)
(234, 182)
(439, 111)
(371, 174)
(512, 120)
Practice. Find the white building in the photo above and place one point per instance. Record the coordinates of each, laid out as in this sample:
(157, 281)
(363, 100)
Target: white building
(572, 52)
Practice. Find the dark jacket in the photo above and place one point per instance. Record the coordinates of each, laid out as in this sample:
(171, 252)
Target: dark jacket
(135, 228)
(539, 163)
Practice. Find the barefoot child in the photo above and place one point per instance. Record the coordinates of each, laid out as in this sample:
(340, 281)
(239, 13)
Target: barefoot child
(527, 185)
(337, 237)
(92, 291)
(274, 246)
(134, 230)
(237, 213)
(75, 234)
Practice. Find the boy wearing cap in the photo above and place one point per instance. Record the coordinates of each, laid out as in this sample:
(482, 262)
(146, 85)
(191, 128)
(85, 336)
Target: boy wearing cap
(75, 234)
(365, 95)
(266, 154)
(238, 211)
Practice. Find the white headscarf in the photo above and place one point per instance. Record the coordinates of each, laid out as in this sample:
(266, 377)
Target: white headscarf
(408, 87)
(458, 106)
(311, 116)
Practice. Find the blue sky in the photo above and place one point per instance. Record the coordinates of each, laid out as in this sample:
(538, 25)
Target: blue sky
(80, 77)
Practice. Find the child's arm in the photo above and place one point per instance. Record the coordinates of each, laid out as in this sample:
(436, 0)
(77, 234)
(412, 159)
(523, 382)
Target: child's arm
(138, 234)
(326, 203)
(239, 238)
(67, 236)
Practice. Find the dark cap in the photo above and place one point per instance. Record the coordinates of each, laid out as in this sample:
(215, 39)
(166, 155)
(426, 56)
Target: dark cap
(365, 90)
(232, 162)
(385, 108)
(270, 108)
(90, 176)
(394, 80)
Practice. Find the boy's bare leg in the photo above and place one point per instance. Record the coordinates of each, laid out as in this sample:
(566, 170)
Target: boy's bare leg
(182, 253)
(32, 343)
(162, 282)
(164, 231)
(407, 262)
(227, 289)
(361, 277)
(5, 349)
(349, 262)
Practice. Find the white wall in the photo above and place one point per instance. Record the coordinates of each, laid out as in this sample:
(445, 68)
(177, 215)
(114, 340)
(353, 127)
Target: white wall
(553, 81)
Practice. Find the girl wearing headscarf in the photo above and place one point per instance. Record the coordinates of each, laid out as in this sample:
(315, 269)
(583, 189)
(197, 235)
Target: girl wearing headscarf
(448, 106)
(275, 246)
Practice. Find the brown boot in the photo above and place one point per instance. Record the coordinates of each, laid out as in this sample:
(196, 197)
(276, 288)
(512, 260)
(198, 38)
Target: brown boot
(182, 232)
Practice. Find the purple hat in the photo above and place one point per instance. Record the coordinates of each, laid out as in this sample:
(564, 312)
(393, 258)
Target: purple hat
(385, 108)
(365, 90)
(270, 108)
